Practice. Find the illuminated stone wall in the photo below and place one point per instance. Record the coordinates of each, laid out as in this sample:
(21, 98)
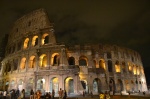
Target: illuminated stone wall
(34, 60)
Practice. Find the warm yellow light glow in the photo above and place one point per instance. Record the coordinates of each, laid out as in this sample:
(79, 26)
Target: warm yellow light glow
(52, 59)
(43, 60)
(102, 64)
(26, 41)
(117, 68)
(134, 70)
(23, 63)
(34, 40)
(32, 62)
(43, 38)
(55, 80)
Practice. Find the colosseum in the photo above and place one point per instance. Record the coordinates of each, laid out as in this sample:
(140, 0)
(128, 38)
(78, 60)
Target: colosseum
(35, 60)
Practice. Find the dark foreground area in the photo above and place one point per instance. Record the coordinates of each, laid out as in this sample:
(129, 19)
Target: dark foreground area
(97, 97)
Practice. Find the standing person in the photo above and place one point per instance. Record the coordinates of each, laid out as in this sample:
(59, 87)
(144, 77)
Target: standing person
(22, 94)
(60, 93)
(53, 94)
(39, 94)
(13, 94)
(31, 94)
(17, 93)
(64, 94)
(4, 94)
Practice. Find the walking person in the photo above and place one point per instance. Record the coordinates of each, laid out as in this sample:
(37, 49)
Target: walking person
(53, 94)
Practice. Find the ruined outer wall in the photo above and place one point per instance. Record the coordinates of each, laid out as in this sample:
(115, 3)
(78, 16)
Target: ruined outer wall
(30, 23)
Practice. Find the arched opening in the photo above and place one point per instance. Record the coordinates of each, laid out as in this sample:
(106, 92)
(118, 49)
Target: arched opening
(55, 60)
(95, 65)
(15, 64)
(132, 86)
(23, 63)
(12, 85)
(8, 67)
(43, 60)
(69, 85)
(119, 85)
(97, 85)
(112, 85)
(35, 41)
(26, 43)
(20, 84)
(71, 61)
(54, 84)
(45, 39)
(29, 85)
(6, 85)
(83, 61)
(84, 85)
(123, 67)
(129, 67)
(117, 67)
(109, 65)
(102, 64)
(40, 84)
(134, 70)
(32, 62)
(127, 85)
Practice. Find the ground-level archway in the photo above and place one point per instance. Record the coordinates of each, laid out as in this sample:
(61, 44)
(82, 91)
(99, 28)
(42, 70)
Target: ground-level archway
(69, 85)
(97, 85)
(54, 84)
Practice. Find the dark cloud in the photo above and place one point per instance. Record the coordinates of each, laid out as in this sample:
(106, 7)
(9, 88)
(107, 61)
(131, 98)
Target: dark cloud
(125, 23)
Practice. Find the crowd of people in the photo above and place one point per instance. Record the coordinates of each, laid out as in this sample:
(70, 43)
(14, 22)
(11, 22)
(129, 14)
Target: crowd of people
(16, 94)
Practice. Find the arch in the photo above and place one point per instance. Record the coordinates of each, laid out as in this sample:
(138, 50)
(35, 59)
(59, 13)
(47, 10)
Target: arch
(43, 60)
(32, 62)
(23, 63)
(12, 84)
(123, 67)
(84, 85)
(129, 67)
(102, 64)
(35, 41)
(117, 66)
(134, 70)
(20, 84)
(132, 86)
(54, 84)
(8, 67)
(95, 65)
(112, 85)
(71, 61)
(110, 66)
(97, 85)
(26, 43)
(40, 84)
(45, 38)
(15, 64)
(119, 85)
(69, 85)
(55, 60)
(83, 61)
(29, 84)
(127, 85)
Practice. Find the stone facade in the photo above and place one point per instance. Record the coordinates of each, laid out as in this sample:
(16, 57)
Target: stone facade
(34, 60)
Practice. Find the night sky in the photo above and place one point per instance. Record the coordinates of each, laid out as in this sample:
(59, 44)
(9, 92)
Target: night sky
(124, 22)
